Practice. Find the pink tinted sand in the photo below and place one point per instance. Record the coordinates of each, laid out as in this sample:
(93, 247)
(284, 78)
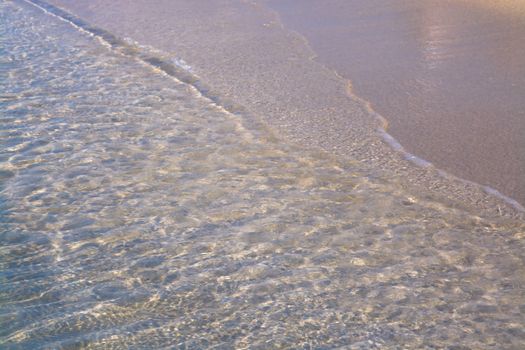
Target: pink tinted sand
(243, 52)
(449, 76)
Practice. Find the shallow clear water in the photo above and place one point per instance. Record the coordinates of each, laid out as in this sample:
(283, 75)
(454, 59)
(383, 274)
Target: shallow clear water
(135, 213)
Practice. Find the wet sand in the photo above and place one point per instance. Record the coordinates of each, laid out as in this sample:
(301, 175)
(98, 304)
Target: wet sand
(449, 76)
(252, 63)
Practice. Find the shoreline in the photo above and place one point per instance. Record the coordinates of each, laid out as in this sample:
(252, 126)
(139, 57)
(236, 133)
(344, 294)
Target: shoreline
(446, 83)
(300, 123)
(144, 209)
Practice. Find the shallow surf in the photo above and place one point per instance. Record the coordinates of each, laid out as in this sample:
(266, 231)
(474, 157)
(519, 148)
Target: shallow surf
(136, 212)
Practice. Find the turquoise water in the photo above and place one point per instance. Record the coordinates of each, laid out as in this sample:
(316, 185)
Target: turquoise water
(136, 213)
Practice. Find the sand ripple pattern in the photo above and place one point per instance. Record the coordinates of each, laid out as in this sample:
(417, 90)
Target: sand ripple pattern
(136, 214)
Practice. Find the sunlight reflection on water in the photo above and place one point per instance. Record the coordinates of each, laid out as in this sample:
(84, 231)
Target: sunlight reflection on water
(137, 214)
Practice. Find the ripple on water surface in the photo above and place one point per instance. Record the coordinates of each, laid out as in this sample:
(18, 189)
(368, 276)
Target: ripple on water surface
(137, 214)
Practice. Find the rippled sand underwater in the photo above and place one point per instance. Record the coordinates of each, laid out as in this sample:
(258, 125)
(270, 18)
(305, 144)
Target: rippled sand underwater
(135, 213)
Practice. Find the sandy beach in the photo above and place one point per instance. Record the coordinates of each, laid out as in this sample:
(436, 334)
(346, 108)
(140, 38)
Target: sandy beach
(244, 53)
(449, 76)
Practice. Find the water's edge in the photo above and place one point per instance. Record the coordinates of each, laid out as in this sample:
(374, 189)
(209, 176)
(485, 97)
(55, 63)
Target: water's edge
(391, 141)
(177, 71)
(185, 75)
(137, 212)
